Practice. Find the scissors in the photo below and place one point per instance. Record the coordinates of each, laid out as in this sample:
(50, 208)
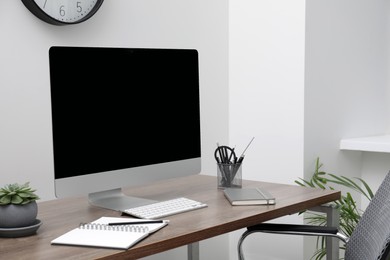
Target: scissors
(225, 154)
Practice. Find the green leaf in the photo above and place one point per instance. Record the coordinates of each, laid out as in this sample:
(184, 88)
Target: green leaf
(16, 199)
(299, 183)
(307, 183)
(5, 200)
(370, 193)
(347, 182)
(319, 184)
(26, 202)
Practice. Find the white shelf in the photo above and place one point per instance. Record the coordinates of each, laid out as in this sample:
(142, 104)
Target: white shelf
(379, 143)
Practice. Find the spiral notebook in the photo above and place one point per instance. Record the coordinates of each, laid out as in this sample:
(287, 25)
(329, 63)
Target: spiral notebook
(99, 234)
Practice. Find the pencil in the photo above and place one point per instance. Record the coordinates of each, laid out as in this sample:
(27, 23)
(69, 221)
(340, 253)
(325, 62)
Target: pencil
(137, 222)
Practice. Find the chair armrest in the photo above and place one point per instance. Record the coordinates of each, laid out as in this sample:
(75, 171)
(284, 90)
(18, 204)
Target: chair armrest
(290, 229)
(308, 230)
(293, 227)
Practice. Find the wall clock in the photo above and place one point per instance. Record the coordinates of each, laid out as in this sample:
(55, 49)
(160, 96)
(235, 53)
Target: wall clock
(63, 12)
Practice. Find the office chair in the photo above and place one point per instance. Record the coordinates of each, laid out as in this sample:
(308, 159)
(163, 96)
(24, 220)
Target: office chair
(369, 241)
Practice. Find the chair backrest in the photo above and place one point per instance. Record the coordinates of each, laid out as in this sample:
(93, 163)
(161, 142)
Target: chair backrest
(371, 236)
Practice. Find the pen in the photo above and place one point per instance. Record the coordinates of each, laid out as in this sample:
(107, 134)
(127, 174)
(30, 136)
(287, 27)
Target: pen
(243, 153)
(138, 222)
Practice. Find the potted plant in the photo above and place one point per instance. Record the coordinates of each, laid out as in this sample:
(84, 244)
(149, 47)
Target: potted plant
(18, 207)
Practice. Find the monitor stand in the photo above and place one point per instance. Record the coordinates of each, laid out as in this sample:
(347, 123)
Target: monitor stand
(116, 200)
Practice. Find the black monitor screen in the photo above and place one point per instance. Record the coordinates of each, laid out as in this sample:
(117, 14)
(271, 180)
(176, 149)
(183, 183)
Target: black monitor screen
(115, 108)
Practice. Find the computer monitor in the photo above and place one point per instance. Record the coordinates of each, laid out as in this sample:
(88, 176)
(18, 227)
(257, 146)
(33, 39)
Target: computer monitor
(122, 117)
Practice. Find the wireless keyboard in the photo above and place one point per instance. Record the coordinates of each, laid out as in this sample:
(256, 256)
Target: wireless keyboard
(165, 208)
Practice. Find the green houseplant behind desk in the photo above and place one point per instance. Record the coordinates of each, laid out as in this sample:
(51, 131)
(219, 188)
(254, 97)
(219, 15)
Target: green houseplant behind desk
(60, 216)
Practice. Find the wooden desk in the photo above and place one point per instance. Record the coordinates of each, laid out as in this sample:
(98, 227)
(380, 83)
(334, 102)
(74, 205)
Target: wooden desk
(60, 216)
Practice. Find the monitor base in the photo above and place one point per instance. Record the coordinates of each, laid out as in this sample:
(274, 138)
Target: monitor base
(116, 200)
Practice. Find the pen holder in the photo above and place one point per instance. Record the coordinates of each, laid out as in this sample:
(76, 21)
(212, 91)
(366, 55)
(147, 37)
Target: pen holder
(229, 175)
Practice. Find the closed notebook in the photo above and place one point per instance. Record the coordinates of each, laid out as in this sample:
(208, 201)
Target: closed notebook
(249, 196)
(100, 234)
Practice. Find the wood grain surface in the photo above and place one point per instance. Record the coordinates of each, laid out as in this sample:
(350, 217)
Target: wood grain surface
(61, 215)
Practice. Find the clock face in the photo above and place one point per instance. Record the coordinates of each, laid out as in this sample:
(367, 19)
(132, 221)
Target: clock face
(63, 11)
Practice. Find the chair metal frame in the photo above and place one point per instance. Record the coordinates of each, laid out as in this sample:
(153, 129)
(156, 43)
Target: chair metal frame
(377, 215)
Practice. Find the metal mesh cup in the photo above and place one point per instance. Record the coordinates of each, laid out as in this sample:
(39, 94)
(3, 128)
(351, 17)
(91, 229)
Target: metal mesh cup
(229, 175)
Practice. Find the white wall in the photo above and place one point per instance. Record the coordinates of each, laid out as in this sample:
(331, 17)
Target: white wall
(346, 78)
(346, 93)
(25, 123)
(266, 61)
(346, 85)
